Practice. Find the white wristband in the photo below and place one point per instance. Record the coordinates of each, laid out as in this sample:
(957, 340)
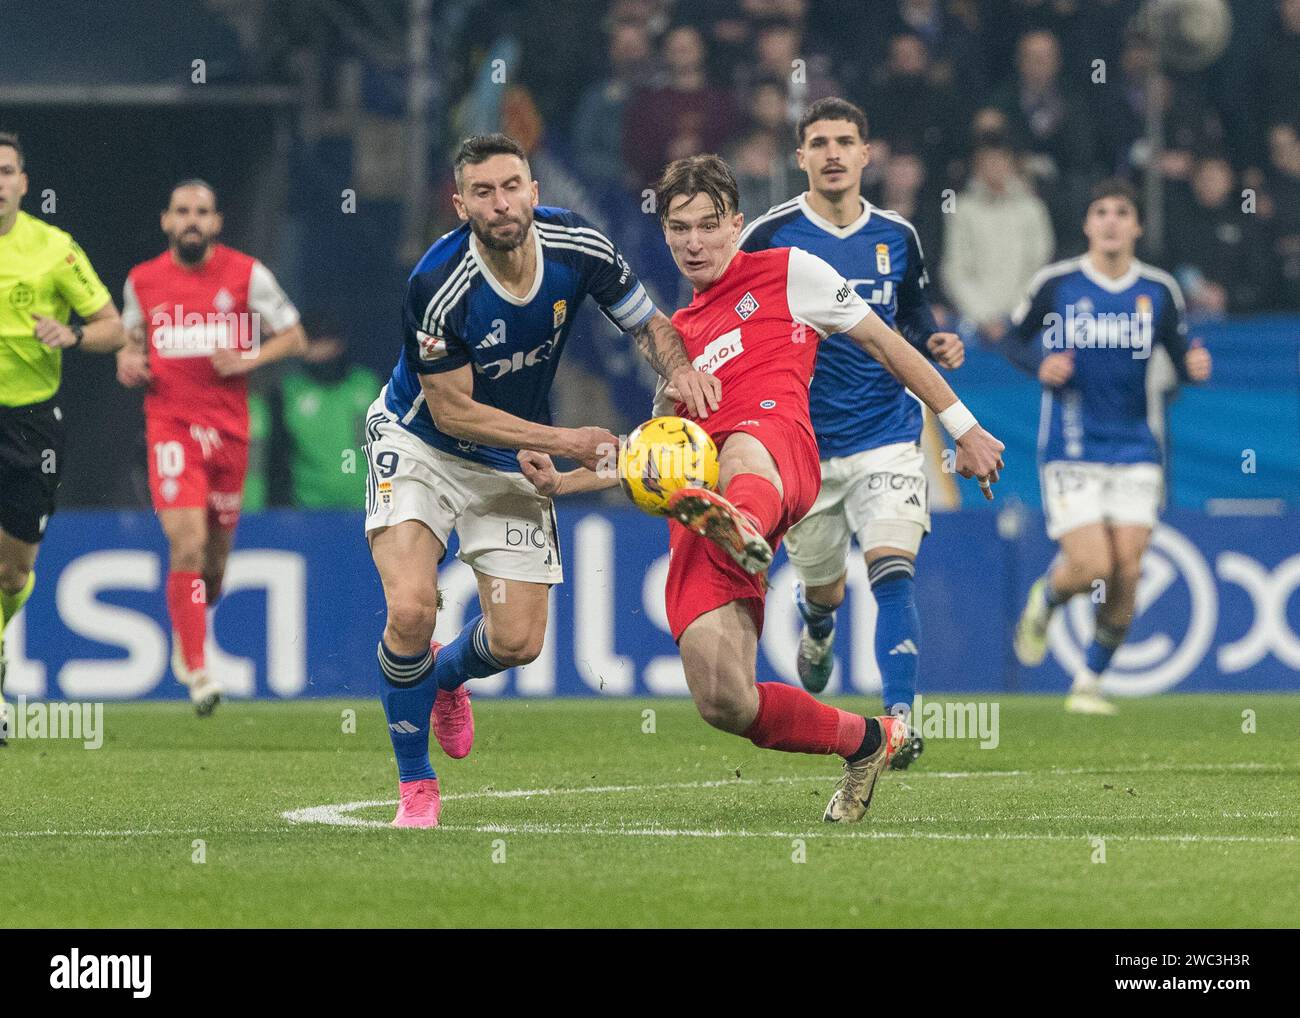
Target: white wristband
(957, 420)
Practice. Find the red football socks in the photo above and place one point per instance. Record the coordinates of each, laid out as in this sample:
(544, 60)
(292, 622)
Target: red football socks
(758, 499)
(794, 721)
(187, 603)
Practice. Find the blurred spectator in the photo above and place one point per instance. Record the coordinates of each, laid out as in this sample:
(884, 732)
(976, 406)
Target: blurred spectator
(997, 237)
(903, 189)
(908, 108)
(317, 424)
(762, 160)
(598, 123)
(1052, 126)
(1283, 182)
(1190, 125)
(685, 116)
(1217, 248)
(780, 54)
(1280, 94)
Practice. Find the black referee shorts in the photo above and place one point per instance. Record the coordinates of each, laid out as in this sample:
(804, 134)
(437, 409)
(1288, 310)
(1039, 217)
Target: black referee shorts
(31, 461)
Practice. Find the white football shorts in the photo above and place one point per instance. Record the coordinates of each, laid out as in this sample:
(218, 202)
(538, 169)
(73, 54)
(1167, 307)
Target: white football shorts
(879, 496)
(1076, 494)
(506, 529)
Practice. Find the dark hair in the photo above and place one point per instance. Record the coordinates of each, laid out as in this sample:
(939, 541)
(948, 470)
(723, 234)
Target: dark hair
(708, 175)
(195, 182)
(1115, 187)
(481, 147)
(831, 108)
(11, 140)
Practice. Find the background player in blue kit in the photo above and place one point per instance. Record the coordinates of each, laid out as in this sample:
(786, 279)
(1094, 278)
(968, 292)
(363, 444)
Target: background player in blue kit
(868, 425)
(486, 315)
(1106, 336)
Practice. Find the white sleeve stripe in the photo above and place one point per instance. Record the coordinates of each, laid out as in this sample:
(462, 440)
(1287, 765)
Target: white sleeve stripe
(1160, 276)
(435, 315)
(894, 217)
(773, 212)
(584, 233)
(450, 283)
(1052, 271)
(593, 251)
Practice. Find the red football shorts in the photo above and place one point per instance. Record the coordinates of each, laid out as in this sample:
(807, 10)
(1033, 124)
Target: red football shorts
(701, 576)
(196, 467)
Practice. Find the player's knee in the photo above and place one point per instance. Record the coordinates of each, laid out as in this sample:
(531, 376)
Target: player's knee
(1127, 573)
(830, 595)
(516, 649)
(186, 553)
(13, 576)
(722, 709)
(1090, 566)
(411, 617)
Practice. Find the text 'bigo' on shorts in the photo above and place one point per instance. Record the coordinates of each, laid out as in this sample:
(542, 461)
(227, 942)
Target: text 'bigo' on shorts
(506, 529)
(879, 496)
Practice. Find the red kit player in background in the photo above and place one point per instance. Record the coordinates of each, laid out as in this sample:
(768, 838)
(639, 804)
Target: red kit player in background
(754, 324)
(195, 320)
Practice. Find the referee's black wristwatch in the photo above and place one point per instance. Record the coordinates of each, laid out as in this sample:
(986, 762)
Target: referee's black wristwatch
(79, 332)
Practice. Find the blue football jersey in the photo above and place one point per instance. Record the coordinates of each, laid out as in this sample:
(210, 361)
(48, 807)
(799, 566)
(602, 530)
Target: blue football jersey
(856, 404)
(1129, 338)
(456, 313)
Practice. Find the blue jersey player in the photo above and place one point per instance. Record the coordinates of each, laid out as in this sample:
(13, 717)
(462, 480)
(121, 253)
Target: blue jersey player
(1106, 336)
(868, 425)
(485, 318)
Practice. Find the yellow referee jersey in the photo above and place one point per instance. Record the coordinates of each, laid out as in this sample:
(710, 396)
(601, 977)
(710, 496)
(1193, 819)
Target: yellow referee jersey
(42, 272)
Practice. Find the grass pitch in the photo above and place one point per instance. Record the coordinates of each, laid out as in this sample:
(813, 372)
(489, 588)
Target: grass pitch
(567, 813)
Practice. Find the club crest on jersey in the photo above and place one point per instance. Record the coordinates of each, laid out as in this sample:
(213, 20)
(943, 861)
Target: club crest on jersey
(882, 259)
(431, 347)
(1143, 304)
(559, 312)
(223, 301)
(747, 306)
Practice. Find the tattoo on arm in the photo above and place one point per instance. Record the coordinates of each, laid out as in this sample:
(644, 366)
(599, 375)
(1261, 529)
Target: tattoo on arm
(661, 345)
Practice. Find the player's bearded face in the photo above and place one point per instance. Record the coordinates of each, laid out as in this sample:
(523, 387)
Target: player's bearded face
(497, 198)
(502, 230)
(702, 242)
(191, 223)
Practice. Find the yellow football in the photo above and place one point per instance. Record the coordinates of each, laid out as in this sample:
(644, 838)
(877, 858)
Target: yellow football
(663, 455)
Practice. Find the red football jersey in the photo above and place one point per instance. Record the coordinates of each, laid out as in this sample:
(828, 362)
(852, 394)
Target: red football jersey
(756, 330)
(231, 301)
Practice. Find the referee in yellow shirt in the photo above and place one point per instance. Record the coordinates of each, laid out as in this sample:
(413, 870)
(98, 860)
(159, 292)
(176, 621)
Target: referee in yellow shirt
(44, 276)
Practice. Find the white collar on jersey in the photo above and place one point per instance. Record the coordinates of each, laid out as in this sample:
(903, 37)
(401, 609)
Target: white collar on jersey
(496, 285)
(1106, 282)
(836, 231)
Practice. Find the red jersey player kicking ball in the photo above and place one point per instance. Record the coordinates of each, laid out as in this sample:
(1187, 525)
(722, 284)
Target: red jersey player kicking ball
(194, 319)
(754, 324)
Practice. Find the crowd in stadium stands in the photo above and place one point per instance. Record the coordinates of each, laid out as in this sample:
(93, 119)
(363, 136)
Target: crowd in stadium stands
(1014, 107)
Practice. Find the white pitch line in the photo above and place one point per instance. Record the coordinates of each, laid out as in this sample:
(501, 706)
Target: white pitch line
(339, 814)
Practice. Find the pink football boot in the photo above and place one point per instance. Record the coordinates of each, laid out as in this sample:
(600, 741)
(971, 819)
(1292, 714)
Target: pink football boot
(453, 719)
(420, 805)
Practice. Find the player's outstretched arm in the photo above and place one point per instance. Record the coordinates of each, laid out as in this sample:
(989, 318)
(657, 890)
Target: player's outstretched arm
(449, 396)
(662, 347)
(540, 470)
(979, 454)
